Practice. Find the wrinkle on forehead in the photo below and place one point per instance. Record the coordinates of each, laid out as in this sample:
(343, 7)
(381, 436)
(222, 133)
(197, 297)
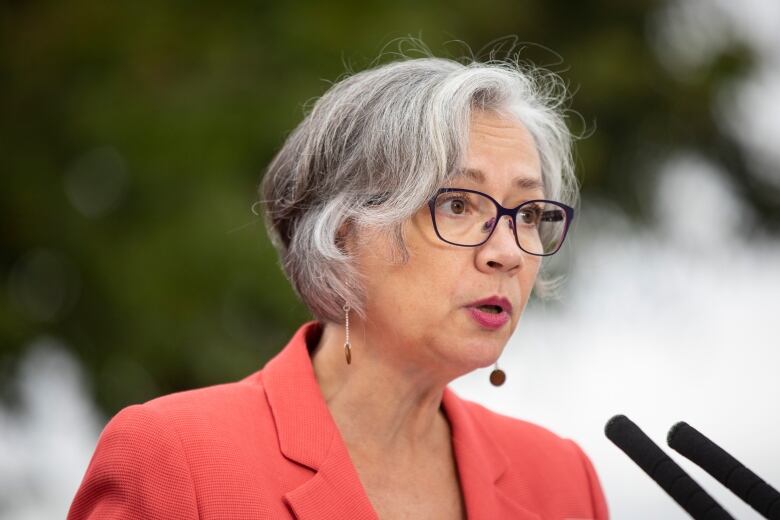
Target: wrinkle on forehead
(493, 135)
(491, 125)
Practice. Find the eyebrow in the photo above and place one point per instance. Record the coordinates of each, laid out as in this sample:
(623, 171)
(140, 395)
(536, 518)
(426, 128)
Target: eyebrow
(525, 183)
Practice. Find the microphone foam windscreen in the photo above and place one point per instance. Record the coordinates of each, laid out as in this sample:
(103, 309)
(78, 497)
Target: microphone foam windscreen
(660, 467)
(691, 443)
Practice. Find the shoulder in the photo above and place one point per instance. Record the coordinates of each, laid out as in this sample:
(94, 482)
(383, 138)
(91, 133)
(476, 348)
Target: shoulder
(225, 401)
(526, 443)
(138, 470)
(220, 411)
(510, 432)
(171, 419)
(151, 457)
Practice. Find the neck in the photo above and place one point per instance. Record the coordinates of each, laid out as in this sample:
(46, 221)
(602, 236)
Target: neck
(380, 404)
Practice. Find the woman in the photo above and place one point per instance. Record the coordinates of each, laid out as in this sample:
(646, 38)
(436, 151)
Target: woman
(412, 209)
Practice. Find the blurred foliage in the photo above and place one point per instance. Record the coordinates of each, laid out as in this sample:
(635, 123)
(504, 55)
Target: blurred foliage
(133, 136)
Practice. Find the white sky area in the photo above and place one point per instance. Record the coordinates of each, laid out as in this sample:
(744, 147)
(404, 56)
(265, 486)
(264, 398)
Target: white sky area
(674, 322)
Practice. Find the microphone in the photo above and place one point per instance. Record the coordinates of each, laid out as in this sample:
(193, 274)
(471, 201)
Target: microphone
(672, 478)
(689, 442)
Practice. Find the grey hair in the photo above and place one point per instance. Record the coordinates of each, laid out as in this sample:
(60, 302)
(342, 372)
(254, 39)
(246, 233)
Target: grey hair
(378, 144)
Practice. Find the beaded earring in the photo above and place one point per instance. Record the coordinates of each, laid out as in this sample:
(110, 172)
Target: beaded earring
(347, 346)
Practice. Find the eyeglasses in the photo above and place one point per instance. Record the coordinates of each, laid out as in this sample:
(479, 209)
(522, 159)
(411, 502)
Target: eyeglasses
(468, 218)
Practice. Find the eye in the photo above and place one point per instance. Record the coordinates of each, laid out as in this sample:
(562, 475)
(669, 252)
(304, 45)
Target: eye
(530, 215)
(454, 205)
(457, 206)
(555, 215)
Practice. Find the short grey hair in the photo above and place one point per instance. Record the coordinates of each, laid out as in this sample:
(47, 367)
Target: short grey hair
(378, 144)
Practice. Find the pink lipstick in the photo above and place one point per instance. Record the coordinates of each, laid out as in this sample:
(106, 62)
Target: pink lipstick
(491, 313)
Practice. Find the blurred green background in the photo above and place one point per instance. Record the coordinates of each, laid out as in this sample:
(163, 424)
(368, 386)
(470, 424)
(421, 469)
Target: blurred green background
(133, 137)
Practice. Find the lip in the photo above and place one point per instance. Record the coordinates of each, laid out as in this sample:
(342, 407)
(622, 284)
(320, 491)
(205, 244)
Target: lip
(500, 301)
(487, 319)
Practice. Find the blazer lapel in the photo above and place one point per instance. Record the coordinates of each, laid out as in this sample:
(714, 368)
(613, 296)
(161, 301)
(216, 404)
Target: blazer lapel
(481, 463)
(308, 436)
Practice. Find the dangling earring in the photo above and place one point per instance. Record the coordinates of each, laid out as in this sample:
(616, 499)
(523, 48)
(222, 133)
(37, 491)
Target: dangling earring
(347, 346)
(497, 376)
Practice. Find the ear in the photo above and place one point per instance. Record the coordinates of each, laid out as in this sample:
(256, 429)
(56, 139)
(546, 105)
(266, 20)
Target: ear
(345, 237)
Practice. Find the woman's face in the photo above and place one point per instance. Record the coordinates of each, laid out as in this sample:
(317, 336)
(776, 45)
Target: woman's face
(423, 311)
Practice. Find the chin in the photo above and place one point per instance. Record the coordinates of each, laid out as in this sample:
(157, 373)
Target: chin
(471, 353)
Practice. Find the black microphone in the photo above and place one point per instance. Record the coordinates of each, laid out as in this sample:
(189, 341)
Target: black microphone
(672, 478)
(689, 442)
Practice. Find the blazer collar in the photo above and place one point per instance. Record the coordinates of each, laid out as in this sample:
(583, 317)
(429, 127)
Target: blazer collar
(303, 422)
(308, 435)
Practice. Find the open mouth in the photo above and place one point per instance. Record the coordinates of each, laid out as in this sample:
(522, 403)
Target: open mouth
(492, 309)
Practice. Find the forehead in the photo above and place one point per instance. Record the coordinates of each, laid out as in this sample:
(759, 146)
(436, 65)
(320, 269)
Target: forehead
(501, 150)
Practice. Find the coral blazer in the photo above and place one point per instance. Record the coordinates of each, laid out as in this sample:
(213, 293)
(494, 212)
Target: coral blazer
(267, 447)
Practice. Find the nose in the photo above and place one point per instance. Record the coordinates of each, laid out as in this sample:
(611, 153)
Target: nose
(500, 253)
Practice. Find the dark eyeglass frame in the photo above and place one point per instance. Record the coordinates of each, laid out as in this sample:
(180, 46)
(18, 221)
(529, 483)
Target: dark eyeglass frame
(500, 212)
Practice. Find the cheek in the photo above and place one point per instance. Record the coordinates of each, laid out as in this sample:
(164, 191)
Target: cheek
(427, 284)
(394, 288)
(430, 279)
